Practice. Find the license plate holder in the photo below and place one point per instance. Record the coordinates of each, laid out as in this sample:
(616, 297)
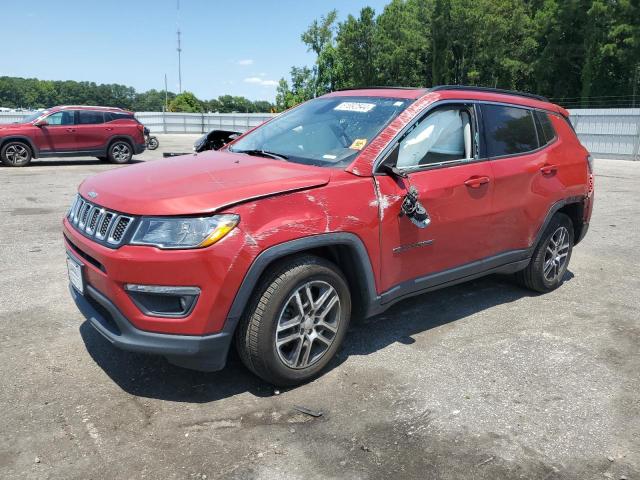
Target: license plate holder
(74, 270)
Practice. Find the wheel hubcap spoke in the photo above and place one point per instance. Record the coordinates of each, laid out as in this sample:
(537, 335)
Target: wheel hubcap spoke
(308, 324)
(556, 254)
(16, 154)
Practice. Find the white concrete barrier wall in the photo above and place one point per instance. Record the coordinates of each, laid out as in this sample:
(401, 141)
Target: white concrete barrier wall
(609, 132)
(606, 132)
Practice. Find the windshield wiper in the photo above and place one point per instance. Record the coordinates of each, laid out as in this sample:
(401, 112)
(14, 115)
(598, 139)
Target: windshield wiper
(263, 153)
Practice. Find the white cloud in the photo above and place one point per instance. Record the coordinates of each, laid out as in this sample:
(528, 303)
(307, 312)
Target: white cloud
(245, 62)
(261, 81)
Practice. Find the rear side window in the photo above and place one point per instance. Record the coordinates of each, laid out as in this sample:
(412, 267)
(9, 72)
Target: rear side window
(87, 117)
(111, 116)
(509, 130)
(548, 132)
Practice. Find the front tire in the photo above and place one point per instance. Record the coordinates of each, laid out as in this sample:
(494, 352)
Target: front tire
(120, 152)
(16, 154)
(295, 322)
(550, 259)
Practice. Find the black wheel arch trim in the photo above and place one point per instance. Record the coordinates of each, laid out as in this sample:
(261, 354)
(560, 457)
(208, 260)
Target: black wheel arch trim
(128, 138)
(271, 254)
(552, 211)
(21, 138)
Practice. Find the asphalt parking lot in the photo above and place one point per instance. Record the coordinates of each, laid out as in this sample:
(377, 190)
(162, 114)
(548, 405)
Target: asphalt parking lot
(483, 380)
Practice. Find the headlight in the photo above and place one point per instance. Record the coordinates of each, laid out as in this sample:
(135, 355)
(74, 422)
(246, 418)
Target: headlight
(180, 232)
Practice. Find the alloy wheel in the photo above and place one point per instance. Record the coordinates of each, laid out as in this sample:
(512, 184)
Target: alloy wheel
(16, 154)
(120, 152)
(308, 324)
(555, 257)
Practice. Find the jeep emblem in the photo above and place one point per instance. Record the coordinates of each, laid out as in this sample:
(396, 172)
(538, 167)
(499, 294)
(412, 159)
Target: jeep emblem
(92, 194)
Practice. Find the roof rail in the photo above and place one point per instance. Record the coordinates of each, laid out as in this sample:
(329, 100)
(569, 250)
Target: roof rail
(489, 90)
(378, 87)
(90, 106)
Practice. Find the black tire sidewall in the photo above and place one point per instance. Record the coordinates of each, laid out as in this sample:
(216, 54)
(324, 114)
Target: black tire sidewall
(277, 371)
(7, 162)
(113, 145)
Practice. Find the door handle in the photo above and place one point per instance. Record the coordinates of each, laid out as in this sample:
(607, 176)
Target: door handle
(108, 129)
(476, 182)
(548, 169)
(71, 130)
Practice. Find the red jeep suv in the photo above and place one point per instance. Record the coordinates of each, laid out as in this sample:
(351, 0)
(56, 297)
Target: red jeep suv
(107, 133)
(341, 206)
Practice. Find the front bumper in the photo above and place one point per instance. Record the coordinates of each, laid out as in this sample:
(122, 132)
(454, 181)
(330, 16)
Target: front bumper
(206, 353)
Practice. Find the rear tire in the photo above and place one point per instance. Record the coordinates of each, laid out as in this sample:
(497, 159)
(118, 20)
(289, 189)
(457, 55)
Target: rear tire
(16, 154)
(295, 322)
(153, 143)
(120, 152)
(550, 259)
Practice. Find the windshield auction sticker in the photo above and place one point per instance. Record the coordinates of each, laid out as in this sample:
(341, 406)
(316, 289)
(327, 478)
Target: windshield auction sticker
(358, 144)
(359, 107)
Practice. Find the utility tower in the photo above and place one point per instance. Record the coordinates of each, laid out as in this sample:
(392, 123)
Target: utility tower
(179, 51)
(179, 64)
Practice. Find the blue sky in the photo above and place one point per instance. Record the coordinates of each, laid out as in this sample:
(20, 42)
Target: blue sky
(241, 48)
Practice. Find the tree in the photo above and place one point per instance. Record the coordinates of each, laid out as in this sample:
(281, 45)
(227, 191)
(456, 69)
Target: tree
(33, 93)
(356, 50)
(402, 44)
(186, 102)
(319, 39)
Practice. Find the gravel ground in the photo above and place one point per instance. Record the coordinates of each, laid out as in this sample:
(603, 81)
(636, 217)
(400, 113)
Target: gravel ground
(482, 380)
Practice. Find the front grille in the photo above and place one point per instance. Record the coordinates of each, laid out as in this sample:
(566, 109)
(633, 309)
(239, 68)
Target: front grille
(118, 231)
(98, 223)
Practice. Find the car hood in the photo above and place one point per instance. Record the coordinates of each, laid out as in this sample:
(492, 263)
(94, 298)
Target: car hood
(7, 127)
(195, 184)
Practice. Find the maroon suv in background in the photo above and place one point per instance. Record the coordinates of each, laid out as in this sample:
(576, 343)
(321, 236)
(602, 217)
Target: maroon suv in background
(107, 133)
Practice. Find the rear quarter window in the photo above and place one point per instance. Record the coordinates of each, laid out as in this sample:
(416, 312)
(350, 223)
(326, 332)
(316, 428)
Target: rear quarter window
(509, 130)
(548, 132)
(112, 116)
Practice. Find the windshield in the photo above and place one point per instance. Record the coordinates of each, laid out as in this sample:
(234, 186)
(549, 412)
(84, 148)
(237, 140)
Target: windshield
(34, 116)
(327, 132)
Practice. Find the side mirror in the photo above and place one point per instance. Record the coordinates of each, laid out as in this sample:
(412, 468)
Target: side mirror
(41, 123)
(388, 165)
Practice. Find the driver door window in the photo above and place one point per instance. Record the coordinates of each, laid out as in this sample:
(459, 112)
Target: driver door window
(442, 136)
(64, 117)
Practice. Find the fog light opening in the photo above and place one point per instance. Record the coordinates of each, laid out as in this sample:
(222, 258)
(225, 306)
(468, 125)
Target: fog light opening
(162, 300)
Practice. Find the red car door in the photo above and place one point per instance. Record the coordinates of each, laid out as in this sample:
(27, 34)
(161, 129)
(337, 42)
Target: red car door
(440, 158)
(91, 132)
(59, 132)
(526, 176)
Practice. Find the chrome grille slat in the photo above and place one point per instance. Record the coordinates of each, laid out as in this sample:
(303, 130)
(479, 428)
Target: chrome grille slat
(105, 224)
(84, 214)
(99, 223)
(120, 226)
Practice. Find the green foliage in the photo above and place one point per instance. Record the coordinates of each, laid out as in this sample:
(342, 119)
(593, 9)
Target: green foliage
(186, 102)
(32, 93)
(319, 39)
(564, 49)
(303, 86)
